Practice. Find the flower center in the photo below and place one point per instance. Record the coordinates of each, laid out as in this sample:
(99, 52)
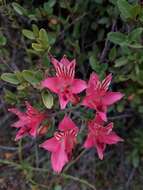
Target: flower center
(62, 134)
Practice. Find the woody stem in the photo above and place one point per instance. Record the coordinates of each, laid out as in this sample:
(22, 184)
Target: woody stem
(20, 150)
(79, 180)
(75, 160)
(36, 153)
(67, 176)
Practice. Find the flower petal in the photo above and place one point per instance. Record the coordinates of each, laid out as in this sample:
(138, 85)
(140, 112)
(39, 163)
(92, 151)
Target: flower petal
(59, 158)
(102, 115)
(21, 133)
(51, 144)
(100, 149)
(98, 119)
(92, 83)
(64, 61)
(78, 86)
(112, 138)
(111, 97)
(52, 83)
(20, 123)
(89, 142)
(109, 128)
(30, 110)
(106, 82)
(67, 124)
(16, 112)
(87, 101)
(63, 101)
(33, 129)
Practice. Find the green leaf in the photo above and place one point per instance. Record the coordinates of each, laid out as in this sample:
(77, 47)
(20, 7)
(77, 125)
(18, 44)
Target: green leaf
(135, 46)
(10, 77)
(117, 38)
(35, 30)
(121, 61)
(97, 66)
(99, 1)
(30, 76)
(94, 63)
(37, 47)
(58, 187)
(43, 36)
(135, 158)
(47, 99)
(3, 40)
(46, 61)
(112, 54)
(125, 9)
(19, 76)
(28, 34)
(135, 35)
(19, 9)
(10, 97)
(52, 38)
(49, 4)
(135, 11)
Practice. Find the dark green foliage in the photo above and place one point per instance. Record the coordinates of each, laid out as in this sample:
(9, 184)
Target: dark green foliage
(104, 36)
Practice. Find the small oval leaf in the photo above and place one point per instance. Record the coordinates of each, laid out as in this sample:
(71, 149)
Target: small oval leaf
(10, 77)
(3, 40)
(47, 99)
(30, 76)
(28, 34)
(37, 47)
(19, 9)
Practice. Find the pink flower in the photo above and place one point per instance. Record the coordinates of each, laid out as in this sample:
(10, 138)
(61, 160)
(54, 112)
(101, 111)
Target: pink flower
(61, 144)
(28, 122)
(99, 136)
(98, 97)
(64, 84)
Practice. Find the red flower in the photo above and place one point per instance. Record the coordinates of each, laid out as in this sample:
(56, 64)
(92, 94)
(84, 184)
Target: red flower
(61, 144)
(28, 122)
(64, 83)
(97, 96)
(99, 136)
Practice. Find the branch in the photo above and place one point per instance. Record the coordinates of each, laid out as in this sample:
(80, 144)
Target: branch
(18, 166)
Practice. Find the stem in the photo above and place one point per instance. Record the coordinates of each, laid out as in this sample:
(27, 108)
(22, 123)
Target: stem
(79, 180)
(20, 150)
(82, 181)
(75, 160)
(36, 153)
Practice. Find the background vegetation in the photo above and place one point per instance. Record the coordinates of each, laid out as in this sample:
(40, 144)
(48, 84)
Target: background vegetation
(104, 36)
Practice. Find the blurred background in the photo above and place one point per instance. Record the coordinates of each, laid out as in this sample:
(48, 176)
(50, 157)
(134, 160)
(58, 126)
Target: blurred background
(104, 36)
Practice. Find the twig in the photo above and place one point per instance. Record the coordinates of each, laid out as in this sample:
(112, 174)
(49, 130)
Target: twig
(5, 118)
(120, 116)
(106, 46)
(36, 153)
(75, 160)
(61, 34)
(82, 181)
(65, 110)
(79, 180)
(130, 178)
(20, 150)
(8, 148)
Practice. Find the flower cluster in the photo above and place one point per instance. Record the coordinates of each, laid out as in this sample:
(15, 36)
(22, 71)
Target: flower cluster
(64, 139)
